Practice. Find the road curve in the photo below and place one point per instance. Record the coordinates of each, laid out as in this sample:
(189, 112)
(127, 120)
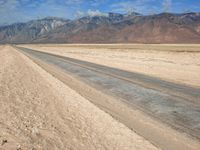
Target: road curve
(174, 104)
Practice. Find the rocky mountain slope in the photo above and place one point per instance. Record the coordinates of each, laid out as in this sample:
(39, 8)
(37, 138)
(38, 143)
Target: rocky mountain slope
(111, 28)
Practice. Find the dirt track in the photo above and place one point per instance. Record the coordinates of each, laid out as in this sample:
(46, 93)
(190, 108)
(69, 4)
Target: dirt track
(161, 105)
(38, 111)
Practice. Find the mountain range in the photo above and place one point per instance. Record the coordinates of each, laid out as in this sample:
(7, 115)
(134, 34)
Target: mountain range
(110, 28)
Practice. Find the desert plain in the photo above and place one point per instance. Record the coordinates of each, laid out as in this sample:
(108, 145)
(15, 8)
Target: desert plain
(39, 111)
(174, 62)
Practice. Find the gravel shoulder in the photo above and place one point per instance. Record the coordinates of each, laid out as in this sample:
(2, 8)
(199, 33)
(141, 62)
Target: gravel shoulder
(38, 111)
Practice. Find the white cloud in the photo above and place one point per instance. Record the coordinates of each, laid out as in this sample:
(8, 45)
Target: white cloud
(141, 6)
(167, 5)
(90, 13)
(79, 14)
(12, 11)
(8, 4)
(125, 7)
(95, 13)
(73, 2)
(9, 12)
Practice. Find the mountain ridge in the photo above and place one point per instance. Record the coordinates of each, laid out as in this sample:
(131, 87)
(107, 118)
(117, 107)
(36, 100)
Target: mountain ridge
(112, 28)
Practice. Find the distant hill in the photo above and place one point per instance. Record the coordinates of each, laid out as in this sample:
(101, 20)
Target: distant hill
(111, 28)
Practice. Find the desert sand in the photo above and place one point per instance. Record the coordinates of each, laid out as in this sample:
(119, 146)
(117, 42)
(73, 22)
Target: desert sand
(37, 111)
(178, 63)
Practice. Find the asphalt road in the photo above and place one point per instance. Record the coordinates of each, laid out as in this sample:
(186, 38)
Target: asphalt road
(174, 104)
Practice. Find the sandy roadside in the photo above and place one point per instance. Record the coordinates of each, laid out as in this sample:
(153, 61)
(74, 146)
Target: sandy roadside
(40, 112)
(176, 63)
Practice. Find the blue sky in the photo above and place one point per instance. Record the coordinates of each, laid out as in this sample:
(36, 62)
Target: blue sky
(23, 10)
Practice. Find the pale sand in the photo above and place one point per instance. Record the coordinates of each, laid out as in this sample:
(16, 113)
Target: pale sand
(37, 111)
(176, 63)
